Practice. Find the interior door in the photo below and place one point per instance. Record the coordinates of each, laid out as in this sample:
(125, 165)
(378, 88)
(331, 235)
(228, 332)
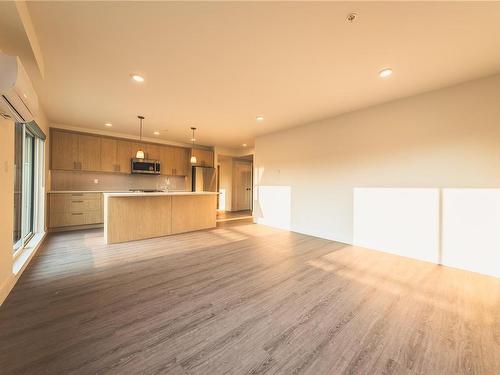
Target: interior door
(242, 186)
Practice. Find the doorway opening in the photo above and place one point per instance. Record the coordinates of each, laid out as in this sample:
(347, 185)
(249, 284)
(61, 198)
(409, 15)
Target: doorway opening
(235, 186)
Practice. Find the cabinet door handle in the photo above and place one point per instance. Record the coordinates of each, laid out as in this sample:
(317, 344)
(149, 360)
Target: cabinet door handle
(77, 195)
(76, 201)
(77, 213)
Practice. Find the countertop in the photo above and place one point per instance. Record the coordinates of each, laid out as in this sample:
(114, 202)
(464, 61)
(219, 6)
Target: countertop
(157, 194)
(86, 191)
(105, 191)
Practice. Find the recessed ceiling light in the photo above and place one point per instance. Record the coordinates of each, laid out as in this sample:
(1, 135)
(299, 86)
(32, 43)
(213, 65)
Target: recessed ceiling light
(244, 145)
(192, 139)
(137, 77)
(386, 72)
(156, 133)
(260, 118)
(351, 17)
(108, 124)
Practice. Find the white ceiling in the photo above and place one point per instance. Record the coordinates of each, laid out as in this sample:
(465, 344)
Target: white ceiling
(219, 65)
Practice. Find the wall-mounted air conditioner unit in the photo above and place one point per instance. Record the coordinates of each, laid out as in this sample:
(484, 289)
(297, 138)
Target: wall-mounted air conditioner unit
(18, 100)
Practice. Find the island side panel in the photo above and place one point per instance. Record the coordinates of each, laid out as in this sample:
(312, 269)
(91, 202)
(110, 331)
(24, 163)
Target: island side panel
(135, 218)
(193, 212)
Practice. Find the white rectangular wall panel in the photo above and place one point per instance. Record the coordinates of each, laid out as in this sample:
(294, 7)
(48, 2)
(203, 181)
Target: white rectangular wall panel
(399, 221)
(273, 206)
(471, 230)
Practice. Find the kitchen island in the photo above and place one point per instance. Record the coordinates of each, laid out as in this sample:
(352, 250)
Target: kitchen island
(139, 215)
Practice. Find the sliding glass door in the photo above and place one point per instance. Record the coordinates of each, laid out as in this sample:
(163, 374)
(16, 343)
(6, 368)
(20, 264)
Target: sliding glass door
(28, 164)
(28, 186)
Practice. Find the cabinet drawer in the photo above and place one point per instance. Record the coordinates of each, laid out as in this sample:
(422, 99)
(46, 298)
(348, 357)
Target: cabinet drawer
(64, 203)
(79, 205)
(74, 218)
(66, 219)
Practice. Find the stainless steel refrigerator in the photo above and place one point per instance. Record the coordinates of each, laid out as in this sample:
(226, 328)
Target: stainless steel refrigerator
(204, 179)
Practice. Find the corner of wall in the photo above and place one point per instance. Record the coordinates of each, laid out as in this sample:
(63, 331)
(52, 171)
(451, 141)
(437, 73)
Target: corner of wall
(6, 287)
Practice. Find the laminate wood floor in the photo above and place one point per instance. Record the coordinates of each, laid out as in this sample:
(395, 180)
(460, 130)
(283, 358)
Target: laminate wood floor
(233, 215)
(244, 299)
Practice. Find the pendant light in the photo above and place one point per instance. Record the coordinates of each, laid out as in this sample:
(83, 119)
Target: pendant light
(140, 153)
(193, 157)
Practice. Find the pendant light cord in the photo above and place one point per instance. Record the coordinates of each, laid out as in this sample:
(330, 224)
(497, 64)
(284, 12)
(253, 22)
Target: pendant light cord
(140, 134)
(192, 139)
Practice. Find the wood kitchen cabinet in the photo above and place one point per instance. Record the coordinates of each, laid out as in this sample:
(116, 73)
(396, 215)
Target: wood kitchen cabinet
(123, 156)
(115, 155)
(89, 152)
(64, 150)
(71, 151)
(181, 161)
(108, 154)
(152, 151)
(167, 160)
(204, 158)
(75, 209)
(174, 161)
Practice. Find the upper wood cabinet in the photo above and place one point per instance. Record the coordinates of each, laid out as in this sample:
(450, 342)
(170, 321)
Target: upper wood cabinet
(153, 151)
(174, 161)
(89, 152)
(85, 152)
(167, 160)
(64, 150)
(109, 148)
(204, 158)
(72, 151)
(181, 161)
(115, 155)
(123, 156)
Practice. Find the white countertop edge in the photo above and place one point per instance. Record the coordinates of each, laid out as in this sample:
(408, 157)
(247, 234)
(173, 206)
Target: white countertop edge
(86, 191)
(102, 191)
(159, 194)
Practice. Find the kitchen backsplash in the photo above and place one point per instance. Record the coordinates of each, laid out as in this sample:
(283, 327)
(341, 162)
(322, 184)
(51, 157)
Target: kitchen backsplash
(67, 180)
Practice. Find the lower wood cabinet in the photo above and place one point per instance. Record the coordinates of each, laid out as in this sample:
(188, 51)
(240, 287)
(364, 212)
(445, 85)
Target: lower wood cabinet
(74, 209)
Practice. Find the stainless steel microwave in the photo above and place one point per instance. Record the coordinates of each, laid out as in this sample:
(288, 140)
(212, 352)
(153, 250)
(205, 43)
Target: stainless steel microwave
(145, 166)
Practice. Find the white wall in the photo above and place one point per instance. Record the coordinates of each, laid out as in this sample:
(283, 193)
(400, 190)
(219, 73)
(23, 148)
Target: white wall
(7, 278)
(6, 204)
(226, 182)
(448, 138)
